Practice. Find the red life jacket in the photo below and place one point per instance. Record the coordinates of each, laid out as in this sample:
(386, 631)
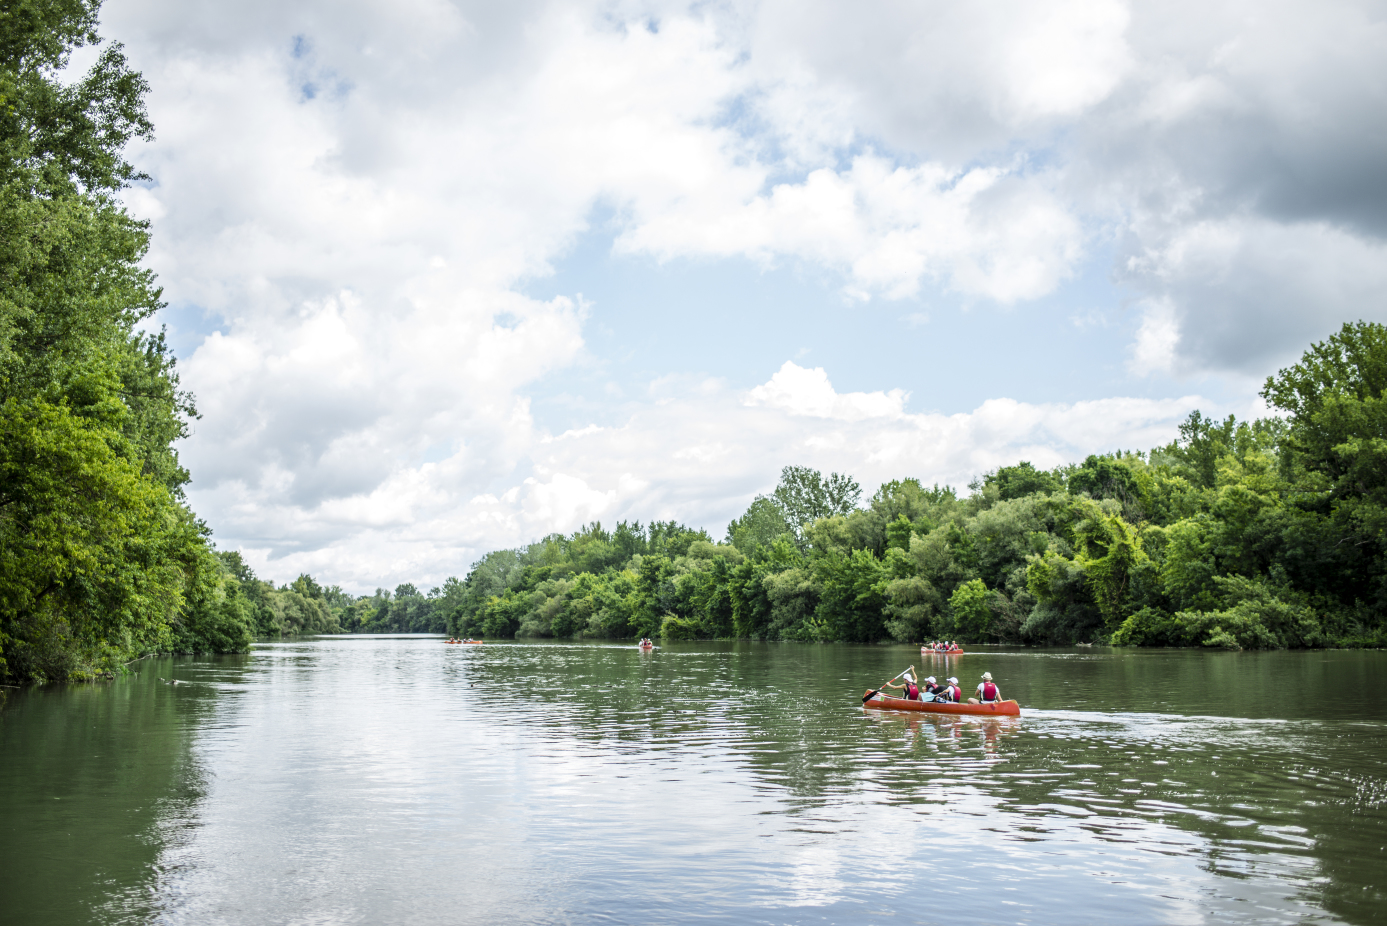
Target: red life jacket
(951, 693)
(989, 691)
(912, 693)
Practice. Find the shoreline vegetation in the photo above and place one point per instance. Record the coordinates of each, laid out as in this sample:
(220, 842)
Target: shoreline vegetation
(1252, 535)
(1270, 534)
(1237, 535)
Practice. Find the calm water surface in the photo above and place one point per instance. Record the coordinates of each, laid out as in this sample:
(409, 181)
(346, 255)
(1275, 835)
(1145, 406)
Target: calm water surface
(399, 780)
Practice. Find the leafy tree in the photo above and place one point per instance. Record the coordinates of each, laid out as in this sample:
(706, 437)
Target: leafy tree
(1110, 477)
(102, 559)
(763, 522)
(1022, 480)
(971, 610)
(805, 495)
(1337, 399)
(308, 588)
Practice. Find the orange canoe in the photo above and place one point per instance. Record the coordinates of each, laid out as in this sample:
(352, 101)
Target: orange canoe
(1000, 709)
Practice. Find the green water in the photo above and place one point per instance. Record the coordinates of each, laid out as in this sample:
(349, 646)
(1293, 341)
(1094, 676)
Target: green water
(401, 780)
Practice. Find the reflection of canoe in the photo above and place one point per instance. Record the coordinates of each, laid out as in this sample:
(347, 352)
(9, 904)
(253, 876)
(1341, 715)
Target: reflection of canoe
(1000, 709)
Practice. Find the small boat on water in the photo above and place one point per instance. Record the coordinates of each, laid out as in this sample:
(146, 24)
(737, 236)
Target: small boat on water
(881, 702)
(940, 652)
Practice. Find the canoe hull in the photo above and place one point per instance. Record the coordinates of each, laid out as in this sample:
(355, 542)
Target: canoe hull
(1000, 709)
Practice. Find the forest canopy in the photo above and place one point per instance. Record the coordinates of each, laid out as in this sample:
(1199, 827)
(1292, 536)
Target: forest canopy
(1261, 534)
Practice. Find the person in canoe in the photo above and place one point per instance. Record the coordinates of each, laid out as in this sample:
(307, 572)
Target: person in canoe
(988, 693)
(950, 692)
(931, 689)
(912, 687)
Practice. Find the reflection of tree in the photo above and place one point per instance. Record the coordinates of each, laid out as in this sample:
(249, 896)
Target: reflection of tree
(91, 779)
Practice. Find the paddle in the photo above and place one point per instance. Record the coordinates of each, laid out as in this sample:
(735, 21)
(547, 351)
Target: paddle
(875, 691)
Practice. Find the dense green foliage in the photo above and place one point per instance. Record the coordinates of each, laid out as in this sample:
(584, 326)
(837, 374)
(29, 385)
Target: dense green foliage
(100, 559)
(1265, 534)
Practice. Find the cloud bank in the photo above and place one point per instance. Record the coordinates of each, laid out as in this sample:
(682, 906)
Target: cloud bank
(355, 194)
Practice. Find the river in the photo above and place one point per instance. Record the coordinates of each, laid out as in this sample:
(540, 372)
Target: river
(373, 780)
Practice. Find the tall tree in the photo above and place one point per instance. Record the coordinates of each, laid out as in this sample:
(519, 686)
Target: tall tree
(100, 557)
(805, 495)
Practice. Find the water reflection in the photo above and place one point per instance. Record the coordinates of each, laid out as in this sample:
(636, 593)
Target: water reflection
(97, 785)
(389, 779)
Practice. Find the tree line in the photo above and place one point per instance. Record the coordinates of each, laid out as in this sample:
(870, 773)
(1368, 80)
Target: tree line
(1261, 534)
(1240, 535)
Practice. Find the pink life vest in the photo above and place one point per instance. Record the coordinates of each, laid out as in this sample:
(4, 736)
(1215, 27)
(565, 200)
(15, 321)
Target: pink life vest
(989, 691)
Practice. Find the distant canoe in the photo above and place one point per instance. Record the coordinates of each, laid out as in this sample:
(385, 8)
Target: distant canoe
(999, 709)
(941, 652)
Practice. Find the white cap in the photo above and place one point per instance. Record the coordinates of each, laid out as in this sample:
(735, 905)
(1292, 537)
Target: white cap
(953, 681)
(931, 680)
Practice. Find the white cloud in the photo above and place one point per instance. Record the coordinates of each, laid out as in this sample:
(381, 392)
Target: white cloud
(990, 232)
(703, 455)
(1157, 338)
(357, 193)
(935, 76)
(1236, 293)
(808, 392)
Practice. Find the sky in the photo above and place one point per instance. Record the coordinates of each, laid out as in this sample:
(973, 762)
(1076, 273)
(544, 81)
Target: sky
(446, 277)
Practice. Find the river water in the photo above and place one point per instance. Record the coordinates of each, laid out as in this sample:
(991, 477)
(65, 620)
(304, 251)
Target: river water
(374, 780)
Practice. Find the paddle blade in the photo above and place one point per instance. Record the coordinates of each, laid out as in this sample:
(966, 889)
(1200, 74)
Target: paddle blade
(869, 695)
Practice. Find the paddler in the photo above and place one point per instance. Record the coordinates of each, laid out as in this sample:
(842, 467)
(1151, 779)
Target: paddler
(950, 692)
(931, 689)
(912, 687)
(988, 693)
